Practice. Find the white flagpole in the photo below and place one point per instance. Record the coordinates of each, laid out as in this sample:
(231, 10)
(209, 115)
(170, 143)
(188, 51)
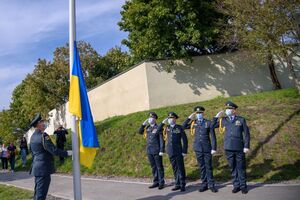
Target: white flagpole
(74, 130)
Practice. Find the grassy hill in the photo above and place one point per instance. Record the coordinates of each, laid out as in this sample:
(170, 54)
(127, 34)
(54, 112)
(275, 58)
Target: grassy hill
(273, 118)
(14, 193)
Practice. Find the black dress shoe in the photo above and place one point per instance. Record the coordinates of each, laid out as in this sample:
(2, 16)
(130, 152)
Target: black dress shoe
(202, 189)
(235, 190)
(244, 190)
(161, 186)
(213, 189)
(153, 186)
(182, 189)
(176, 188)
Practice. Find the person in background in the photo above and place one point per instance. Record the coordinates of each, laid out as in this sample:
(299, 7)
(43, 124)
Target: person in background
(4, 156)
(23, 151)
(61, 139)
(12, 156)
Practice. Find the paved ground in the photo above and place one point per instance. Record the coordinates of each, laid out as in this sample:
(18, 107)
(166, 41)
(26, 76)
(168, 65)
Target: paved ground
(94, 188)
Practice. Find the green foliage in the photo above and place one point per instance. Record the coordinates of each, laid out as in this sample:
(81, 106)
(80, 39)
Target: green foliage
(6, 129)
(112, 63)
(263, 27)
(273, 118)
(169, 29)
(47, 87)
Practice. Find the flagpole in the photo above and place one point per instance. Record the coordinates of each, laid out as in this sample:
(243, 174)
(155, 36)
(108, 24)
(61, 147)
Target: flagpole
(74, 128)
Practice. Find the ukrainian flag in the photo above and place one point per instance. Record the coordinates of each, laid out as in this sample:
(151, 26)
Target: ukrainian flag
(80, 107)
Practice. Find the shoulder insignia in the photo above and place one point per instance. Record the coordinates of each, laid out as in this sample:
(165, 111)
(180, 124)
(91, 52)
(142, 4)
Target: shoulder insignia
(46, 136)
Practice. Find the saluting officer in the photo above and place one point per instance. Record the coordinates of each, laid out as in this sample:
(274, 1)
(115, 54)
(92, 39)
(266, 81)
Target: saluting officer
(205, 145)
(236, 144)
(42, 150)
(174, 134)
(155, 149)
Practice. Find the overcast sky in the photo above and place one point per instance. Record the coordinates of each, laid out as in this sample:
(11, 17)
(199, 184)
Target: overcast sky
(32, 29)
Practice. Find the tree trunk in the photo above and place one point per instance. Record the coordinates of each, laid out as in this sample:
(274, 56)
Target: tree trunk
(289, 63)
(271, 65)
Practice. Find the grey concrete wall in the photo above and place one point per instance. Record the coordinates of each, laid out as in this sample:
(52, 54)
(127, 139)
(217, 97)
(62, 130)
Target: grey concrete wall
(122, 95)
(149, 86)
(211, 76)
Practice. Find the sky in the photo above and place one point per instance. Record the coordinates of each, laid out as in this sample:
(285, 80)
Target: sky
(32, 29)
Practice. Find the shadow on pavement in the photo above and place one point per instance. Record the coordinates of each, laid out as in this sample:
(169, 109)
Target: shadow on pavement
(189, 188)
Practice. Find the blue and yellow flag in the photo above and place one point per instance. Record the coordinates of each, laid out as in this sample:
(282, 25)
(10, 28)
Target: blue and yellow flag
(79, 106)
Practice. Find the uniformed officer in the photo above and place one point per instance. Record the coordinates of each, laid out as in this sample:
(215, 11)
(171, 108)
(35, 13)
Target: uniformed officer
(205, 146)
(174, 134)
(236, 144)
(61, 139)
(42, 150)
(155, 149)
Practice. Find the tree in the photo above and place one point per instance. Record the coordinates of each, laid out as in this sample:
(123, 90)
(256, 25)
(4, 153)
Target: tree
(6, 127)
(161, 29)
(47, 87)
(89, 59)
(262, 27)
(16, 107)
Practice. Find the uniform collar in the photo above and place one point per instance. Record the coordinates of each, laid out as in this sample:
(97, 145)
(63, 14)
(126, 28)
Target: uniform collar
(201, 120)
(152, 125)
(231, 118)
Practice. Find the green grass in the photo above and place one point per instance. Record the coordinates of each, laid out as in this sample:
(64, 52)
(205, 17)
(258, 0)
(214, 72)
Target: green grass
(273, 118)
(14, 193)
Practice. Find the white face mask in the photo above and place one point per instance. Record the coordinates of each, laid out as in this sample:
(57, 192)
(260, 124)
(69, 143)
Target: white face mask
(171, 121)
(199, 116)
(151, 120)
(229, 112)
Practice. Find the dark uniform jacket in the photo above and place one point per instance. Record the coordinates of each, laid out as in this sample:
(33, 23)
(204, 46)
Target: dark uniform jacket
(154, 139)
(236, 135)
(174, 136)
(205, 137)
(61, 136)
(43, 150)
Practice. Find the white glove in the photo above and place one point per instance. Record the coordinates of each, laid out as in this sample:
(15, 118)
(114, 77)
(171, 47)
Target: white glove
(213, 152)
(192, 116)
(145, 122)
(219, 114)
(161, 154)
(70, 153)
(246, 150)
(183, 154)
(165, 121)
